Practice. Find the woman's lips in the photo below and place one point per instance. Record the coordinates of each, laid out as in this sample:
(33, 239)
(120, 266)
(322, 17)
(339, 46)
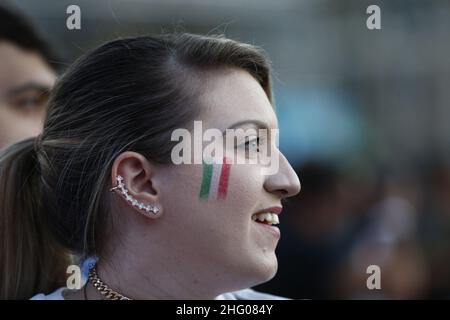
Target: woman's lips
(275, 231)
(275, 210)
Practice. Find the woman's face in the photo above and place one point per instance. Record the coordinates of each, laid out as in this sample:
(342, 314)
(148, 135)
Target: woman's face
(215, 231)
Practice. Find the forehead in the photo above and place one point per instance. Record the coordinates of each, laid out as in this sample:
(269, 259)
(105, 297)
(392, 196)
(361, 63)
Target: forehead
(233, 95)
(18, 67)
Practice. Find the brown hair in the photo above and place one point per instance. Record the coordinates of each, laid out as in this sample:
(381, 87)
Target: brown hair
(126, 95)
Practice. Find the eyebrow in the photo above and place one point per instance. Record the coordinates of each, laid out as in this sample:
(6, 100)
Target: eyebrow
(257, 123)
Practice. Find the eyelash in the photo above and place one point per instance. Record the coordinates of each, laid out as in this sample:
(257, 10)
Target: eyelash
(29, 100)
(258, 141)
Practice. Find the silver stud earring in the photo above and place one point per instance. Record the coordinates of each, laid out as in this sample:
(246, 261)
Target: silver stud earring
(129, 198)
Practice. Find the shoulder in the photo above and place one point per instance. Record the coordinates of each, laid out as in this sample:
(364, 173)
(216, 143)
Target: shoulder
(85, 265)
(55, 295)
(246, 294)
(249, 294)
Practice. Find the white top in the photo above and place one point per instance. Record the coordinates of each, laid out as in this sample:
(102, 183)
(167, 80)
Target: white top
(246, 294)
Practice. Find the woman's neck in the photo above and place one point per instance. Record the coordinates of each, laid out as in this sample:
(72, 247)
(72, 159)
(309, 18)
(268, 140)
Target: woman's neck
(135, 282)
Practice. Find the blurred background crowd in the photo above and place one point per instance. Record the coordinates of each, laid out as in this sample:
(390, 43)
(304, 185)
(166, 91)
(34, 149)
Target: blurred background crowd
(363, 115)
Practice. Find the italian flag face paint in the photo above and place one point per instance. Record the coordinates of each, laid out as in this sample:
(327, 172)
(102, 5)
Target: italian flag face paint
(215, 180)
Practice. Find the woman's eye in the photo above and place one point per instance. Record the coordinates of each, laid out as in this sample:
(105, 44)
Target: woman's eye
(29, 102)
(252, 145)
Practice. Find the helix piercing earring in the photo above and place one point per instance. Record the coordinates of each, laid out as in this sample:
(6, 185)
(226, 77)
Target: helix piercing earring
(130, 199)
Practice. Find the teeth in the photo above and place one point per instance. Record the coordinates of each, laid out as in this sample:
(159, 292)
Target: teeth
(263, 217)
(275, 219)
(271, 218)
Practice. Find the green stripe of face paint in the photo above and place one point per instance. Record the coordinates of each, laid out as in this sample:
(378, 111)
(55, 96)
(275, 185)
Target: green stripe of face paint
(206, 182)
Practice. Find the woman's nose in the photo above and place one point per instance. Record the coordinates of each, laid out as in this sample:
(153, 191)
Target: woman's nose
(284, 183)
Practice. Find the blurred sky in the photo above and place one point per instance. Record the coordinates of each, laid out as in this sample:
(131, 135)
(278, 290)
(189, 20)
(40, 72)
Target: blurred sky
(343, 92)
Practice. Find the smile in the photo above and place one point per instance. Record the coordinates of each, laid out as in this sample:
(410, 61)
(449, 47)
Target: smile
(267, 218)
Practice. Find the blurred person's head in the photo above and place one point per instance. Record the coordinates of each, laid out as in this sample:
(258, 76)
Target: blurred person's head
(113, 114)
(26, 76)
(318, 208)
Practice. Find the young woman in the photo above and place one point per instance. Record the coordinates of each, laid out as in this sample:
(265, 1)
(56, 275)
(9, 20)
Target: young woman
(100, 181)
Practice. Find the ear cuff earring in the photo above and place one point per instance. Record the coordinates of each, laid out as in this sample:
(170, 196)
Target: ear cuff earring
(121, 186)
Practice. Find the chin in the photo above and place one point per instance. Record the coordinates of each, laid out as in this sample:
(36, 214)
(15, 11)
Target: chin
(257, 270)
(271, 271)
(265, 269)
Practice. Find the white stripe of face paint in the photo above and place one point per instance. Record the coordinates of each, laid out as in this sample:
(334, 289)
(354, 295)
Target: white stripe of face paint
(214, 190)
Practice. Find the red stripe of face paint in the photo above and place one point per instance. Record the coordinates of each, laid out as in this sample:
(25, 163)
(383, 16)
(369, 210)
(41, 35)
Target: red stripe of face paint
(224, 177)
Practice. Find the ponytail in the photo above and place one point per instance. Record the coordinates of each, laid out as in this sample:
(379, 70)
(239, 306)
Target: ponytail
(31, 261)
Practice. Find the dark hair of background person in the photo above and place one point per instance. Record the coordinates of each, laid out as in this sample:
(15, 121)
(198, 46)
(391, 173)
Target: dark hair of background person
(16, 29)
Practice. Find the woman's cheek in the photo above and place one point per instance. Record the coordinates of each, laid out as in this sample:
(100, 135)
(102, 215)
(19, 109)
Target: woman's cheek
(215, 183)
(182, 182)
(245, 186)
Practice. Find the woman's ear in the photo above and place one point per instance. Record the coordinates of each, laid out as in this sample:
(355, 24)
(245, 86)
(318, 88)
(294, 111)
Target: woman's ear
(132, 179)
